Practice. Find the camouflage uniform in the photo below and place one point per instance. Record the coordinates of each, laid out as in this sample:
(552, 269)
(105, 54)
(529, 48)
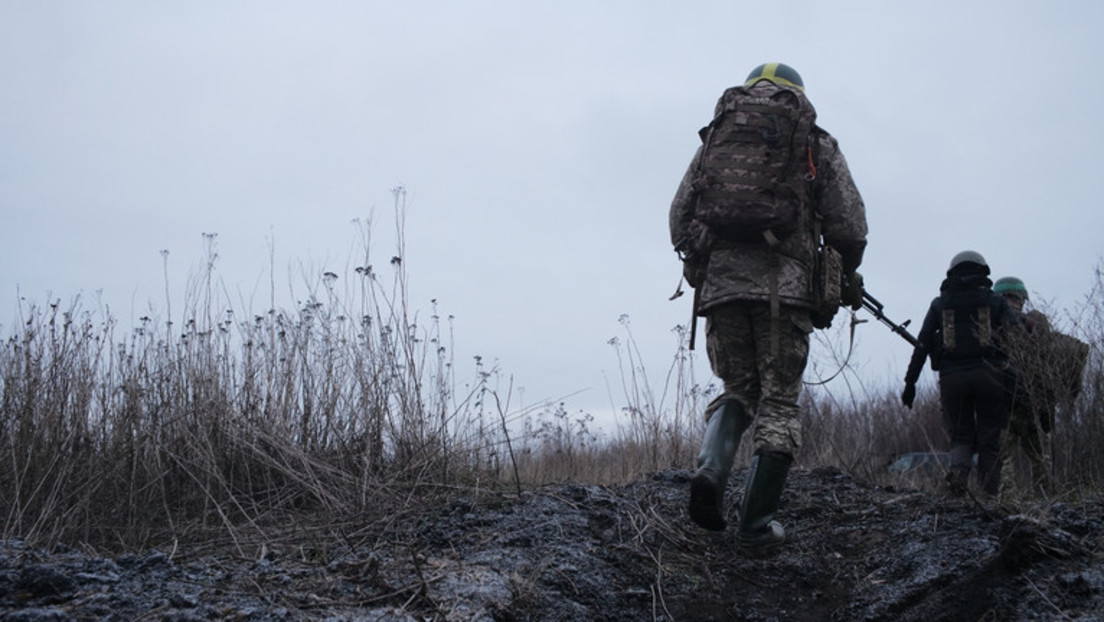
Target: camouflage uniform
(735, 295)
(738, 340)
(1047, 366)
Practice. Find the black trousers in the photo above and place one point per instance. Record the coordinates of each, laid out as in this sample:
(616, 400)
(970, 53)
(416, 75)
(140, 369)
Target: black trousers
(976, 407)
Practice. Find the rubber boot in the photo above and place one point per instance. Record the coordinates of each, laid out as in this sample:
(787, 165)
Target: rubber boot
(722, 436)
(989, 474)
(958, 476)
(765, 480)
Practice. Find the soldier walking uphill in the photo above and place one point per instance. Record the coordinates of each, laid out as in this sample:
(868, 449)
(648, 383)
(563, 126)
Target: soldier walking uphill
(1048, 366)
(748, 218)
(962, 333)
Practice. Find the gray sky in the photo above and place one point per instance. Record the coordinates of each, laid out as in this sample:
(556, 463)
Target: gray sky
(540, 144)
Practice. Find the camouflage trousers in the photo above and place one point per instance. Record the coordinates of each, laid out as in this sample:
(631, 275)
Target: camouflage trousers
(1024, 432)
(760, 373)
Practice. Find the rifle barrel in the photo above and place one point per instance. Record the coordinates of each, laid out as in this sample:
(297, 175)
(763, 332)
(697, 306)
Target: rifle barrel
(872, 305)
(867, 296)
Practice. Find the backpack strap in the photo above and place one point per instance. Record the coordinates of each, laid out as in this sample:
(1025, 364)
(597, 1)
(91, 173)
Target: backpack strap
(813, 144)
(775, 305)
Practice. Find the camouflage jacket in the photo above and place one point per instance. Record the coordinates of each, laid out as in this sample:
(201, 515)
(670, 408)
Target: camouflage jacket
(742, 271)
(1048, 366)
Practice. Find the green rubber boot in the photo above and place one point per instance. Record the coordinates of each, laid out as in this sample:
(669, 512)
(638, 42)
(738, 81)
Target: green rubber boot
(722, 436)
(765, 480)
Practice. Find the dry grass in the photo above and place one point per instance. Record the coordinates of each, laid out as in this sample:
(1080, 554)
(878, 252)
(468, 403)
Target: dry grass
(347, 411)
(343, 407)
(1079, 427)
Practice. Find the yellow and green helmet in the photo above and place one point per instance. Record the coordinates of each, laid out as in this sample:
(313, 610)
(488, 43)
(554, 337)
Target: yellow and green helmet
(1010, 285)
(778, 73)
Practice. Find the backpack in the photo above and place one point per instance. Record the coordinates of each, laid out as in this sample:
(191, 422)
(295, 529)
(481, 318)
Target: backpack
(756, 164)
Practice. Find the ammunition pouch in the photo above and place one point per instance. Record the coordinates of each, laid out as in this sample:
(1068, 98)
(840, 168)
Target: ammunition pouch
(935, 357)
(695, 251)
(827, 285)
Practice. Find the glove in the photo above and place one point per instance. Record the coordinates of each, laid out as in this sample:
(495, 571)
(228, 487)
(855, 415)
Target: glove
(908, 396)
(851, 293)
(822, 318)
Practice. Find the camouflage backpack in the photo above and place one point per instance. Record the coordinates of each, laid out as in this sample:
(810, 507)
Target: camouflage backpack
(756, 164)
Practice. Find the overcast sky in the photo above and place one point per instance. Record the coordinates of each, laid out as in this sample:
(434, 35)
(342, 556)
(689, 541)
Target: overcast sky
(540, 144)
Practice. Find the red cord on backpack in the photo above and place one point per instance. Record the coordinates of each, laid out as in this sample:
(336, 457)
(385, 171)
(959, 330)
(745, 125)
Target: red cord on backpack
(812, 166)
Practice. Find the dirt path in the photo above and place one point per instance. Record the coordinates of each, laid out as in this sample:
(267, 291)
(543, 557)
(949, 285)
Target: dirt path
(575, 552)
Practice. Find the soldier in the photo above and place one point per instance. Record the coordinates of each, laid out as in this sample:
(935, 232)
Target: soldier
(1048, 366)
(755, 285)
(963, 332)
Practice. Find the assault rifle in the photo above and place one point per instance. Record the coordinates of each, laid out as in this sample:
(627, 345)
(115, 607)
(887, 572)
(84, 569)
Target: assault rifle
(872, 305)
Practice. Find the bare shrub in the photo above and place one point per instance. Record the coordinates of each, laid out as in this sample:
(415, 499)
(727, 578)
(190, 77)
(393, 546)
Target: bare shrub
(664, 421)
(1079, 424)
(231, 422)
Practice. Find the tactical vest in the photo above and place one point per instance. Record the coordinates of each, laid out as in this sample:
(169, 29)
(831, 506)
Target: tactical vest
(967, 327)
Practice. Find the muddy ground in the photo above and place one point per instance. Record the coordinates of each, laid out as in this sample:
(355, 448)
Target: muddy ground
(579, 552)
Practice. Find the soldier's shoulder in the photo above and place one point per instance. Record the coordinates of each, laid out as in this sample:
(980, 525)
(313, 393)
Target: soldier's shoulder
(1037, 320)
(825, 137)
(828, 149)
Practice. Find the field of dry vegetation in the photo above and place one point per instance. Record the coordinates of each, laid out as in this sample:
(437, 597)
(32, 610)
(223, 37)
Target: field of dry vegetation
(230, 427)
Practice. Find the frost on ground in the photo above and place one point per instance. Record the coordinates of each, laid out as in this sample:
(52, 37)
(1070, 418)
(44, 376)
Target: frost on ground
(582, 552)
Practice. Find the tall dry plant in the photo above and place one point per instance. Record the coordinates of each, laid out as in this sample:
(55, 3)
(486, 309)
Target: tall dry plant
(228, 422)
(1078, 433)
(663, 419)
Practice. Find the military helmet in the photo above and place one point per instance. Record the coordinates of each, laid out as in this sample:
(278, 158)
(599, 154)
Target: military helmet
(1011, 285)
(968, 257)
(778, 73)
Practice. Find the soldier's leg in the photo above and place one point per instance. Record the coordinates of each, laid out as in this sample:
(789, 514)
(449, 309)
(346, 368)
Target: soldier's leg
(777, 427)
(956, 397)
(1037, 449)
(992, 419)
(1010, 440)
(727, 417)
(732, 350)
